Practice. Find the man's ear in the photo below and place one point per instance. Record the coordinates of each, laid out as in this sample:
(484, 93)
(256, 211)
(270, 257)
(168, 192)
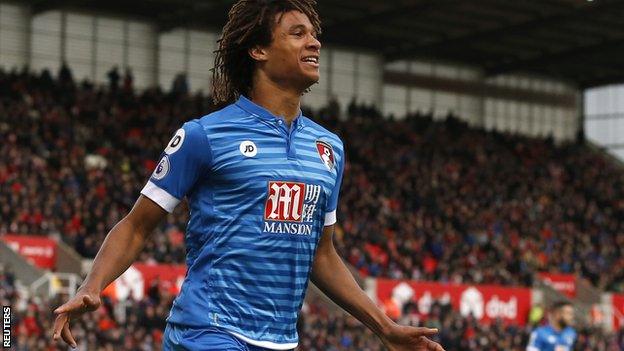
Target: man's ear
(258, 53)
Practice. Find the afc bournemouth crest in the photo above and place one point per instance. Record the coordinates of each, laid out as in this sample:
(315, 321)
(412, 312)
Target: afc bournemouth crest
(326, 153)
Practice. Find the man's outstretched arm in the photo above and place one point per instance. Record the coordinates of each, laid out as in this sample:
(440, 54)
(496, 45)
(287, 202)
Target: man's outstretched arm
(120, 249)
(330, 274)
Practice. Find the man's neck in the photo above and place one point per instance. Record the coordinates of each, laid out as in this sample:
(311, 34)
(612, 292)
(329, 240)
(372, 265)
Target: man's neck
(557, 327)
(278, 100)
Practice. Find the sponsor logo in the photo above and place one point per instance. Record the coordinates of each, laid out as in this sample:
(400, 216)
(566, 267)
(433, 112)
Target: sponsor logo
(176, 142)
(39, 251)
(564, 283)
(472, 303)
(162, 168)
(498, 308)
(290, 207)
(285, 201)
(287, 228)
(6, 327)
(248, 148)
(32, 250)
(326, 153)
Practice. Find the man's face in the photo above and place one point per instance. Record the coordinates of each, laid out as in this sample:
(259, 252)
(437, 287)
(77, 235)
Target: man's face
(292, 59)
(565, 316)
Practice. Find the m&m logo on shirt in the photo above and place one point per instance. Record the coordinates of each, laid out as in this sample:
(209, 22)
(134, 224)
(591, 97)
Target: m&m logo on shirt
(285, 202)
(290, 207)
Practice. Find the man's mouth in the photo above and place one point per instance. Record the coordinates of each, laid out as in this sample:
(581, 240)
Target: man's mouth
(312, 60)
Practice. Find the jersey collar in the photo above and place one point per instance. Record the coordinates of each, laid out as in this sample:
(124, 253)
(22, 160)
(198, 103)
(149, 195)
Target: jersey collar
(265, 114)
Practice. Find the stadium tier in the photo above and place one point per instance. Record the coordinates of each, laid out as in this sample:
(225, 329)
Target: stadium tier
(442, 175)
(427, 200)
(138, 325)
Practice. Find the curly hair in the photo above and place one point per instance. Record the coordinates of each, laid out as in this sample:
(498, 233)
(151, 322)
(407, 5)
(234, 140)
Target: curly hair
(250, 23)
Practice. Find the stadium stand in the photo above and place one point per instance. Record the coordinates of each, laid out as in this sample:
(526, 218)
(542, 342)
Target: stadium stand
(443, 202)
(320, 328)
(440, 197)
(442, 217)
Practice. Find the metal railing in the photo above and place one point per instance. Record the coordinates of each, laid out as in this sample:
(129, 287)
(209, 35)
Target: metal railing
(51, 284)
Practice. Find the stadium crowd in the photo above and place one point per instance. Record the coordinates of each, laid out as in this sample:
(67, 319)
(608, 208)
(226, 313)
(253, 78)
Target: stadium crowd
(322, 329)
(421, 199)
(426, 200)
(438, 200)
(138, 325)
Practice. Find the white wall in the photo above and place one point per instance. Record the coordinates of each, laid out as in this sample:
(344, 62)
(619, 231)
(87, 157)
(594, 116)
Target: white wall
(190, 51)
(531, 118)
(400, 99)
(46, 41)
(505, 115)
(141, 47)
(14, 26)
(93, 44)
(84, 43)
(604, 117)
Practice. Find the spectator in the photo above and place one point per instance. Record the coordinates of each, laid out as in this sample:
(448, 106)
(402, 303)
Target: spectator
(113, 79)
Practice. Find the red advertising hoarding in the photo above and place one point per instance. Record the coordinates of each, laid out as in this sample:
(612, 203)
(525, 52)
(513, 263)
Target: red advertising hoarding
(563, 283)
(40, 251)
(484, 302)
(618, 311)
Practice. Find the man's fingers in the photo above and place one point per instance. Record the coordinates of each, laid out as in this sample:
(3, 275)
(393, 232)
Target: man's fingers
(434, 346)
(88, 301)
(425, 331)
(67, 336)
(69, 306)
(431, 345)
(59, 322)
(78, 305)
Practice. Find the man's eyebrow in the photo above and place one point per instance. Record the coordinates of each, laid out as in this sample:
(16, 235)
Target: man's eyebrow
(297, 26)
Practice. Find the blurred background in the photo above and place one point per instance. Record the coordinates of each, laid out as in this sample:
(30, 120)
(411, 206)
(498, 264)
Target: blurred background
(484, 177)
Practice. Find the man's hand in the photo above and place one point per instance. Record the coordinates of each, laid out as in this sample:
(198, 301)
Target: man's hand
(404, 338)
(84, 301)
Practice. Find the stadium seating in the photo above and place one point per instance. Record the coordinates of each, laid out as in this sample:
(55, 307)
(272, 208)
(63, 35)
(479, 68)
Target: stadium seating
(320, 328)
(421, 199)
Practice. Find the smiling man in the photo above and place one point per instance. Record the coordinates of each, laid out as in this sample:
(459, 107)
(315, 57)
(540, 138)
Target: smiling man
(262, 182)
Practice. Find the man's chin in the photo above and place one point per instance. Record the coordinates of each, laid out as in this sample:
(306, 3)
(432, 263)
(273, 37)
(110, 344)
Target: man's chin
(308, 83)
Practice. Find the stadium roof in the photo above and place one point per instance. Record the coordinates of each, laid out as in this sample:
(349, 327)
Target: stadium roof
(579, 41)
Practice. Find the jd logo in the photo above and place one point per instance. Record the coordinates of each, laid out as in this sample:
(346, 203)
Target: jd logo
(248, 148)
(176, 142)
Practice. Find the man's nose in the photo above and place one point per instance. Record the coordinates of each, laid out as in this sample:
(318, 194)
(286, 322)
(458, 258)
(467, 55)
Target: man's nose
(314, 43)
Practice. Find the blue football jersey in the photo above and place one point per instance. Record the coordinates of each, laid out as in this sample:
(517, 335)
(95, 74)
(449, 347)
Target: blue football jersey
(259, 195)
(546, 338)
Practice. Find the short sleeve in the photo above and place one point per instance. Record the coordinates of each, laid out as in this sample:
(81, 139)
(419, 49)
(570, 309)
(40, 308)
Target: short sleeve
(534, 342)
(186, 157)
(332, 203)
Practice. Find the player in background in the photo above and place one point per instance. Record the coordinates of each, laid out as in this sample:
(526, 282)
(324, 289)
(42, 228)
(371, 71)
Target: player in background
(262, 182)
(558, 335)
